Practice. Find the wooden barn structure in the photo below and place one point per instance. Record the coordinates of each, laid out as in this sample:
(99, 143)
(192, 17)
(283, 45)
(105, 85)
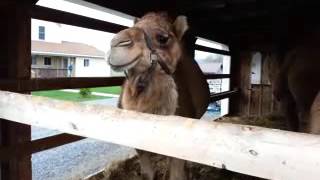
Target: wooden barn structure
(246, 26)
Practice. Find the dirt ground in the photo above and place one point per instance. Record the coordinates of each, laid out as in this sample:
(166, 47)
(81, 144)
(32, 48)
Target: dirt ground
(130, 168)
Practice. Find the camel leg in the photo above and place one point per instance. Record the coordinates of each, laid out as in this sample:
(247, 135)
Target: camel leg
(177, 169)
(147, 170)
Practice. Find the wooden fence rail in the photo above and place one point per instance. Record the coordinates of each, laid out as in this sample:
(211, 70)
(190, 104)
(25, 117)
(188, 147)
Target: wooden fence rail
(37, 84)
(58, 83)
(58, 16)
(24, 149)
(262, 152)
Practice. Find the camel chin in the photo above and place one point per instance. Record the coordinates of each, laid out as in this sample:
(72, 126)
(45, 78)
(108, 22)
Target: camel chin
(122, 61)
(124, 67)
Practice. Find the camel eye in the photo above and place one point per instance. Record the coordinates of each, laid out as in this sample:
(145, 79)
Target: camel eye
(162, 39)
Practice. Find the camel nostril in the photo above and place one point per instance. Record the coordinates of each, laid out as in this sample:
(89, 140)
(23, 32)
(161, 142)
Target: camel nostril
(125, 43)
(122, 43)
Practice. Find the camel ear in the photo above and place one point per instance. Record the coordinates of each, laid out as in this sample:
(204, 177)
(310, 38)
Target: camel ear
(181, 26)
(136, 20)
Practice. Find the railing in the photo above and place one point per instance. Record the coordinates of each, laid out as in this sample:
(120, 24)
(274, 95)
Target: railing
(57, 83)
(48, 73)
(261, 152)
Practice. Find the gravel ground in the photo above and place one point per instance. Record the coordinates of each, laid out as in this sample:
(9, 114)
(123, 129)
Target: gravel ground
(76, 160)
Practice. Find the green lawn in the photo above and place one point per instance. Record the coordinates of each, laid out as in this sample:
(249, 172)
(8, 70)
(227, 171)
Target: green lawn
(110, 90)
(67, 96)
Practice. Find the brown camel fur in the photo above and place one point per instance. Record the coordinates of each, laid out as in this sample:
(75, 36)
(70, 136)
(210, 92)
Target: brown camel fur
(177, 87)
(297, 84)
(315, 115)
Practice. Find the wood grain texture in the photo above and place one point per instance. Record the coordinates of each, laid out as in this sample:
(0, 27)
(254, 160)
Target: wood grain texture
(261, 152)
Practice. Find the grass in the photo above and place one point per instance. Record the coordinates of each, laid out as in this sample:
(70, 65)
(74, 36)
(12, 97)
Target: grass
(109, 90)
(67, 96)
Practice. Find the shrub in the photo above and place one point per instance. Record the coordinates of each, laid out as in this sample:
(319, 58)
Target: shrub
(85, 92)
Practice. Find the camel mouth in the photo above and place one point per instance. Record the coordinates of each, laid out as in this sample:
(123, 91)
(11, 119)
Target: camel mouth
(124, 67)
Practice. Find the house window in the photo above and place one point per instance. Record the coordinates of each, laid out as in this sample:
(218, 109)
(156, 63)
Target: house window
(34, 60)
(86, 62)
(41, 32)
(65, 62)
(47, 61)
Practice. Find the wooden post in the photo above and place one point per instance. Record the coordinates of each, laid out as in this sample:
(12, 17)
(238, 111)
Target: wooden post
(16, 51)
(234, 108)
(261, 87)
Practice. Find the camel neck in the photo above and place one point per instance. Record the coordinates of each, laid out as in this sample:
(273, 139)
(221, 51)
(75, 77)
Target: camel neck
(145, 81)
(159, 96)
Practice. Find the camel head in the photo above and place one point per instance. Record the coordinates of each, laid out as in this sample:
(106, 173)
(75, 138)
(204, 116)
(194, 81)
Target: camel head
(153, 38)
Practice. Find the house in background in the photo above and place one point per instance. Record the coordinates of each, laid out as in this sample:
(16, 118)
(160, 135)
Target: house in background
(67, 59)
(52, 56)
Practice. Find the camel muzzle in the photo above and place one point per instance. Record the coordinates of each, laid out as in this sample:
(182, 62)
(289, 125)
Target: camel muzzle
(120, 61)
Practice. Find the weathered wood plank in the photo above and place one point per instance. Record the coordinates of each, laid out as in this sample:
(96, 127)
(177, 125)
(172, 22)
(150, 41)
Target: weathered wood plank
(58, 83)
(245, 85)
(235, 81)
(217, 76)
(58, 16)
(223, 95)
(267, 100)
(261, 152)
(16, 51)
(212, 50)
(254, 100)
(19, 151)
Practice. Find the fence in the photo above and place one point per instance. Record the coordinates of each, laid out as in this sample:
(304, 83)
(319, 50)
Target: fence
(255, 151)
(260, 152)
(48, 73)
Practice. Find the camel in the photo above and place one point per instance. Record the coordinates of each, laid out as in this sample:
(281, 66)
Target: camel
(296, 85)
(315, 115)
(161, 78)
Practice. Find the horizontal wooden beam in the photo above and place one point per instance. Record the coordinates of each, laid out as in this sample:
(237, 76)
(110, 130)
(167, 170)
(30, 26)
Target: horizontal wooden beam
(58, 83)
(261, 152)
(63, 17)
(222, 95)
(27, 148)
(212, 50)
(217, 76)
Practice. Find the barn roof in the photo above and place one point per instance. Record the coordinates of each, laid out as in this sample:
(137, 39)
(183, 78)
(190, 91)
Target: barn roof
(237, 22)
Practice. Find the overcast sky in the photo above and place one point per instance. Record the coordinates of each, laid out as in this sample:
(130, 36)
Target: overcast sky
(99, 39)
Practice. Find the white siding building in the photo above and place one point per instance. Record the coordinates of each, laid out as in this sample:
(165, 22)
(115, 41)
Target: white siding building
(96, 67)
(55, 57)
